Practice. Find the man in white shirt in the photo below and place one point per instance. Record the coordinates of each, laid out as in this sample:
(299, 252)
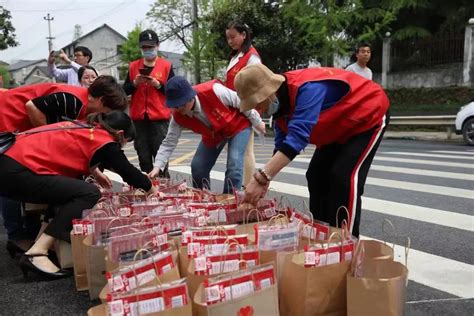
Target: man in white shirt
(362, 54)
(82, 57)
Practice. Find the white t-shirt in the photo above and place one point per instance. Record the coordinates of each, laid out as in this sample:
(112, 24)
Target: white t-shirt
(364, 72)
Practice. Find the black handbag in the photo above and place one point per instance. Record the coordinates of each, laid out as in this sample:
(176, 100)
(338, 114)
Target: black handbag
(7, 139)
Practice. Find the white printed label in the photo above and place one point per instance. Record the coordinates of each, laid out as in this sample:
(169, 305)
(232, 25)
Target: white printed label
(151, 306)
(212, 293)
(116, 308)
(78, 229)
(117, 283)
(238, 290)
(124, 211)
(200, 264)
(146, 276)
(270, 212)
(166, 268)
(310, 258)
(348, 256)
(224, 266)
(332, 258)
(222, 216)
(265, 283)
(177, 301)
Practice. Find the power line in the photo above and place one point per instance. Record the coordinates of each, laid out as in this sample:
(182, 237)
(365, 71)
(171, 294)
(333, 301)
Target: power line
(49, 38)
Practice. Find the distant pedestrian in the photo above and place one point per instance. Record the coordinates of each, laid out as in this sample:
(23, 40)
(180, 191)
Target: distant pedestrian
(145, 82)
(362, 54)
(82, 57)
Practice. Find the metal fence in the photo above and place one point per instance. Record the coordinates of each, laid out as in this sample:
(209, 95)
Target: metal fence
(429, 52)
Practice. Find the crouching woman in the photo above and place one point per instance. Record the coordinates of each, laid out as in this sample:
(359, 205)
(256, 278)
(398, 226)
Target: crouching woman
(44, 164)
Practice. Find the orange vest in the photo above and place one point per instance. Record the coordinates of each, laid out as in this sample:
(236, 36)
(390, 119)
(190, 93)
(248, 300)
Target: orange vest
(361, 109)
(225, 121)
(65, 152)
(146, 98)
(13, 114)
(232, 72)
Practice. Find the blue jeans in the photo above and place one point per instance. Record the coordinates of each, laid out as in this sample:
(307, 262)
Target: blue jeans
(17, 226)
(205, 158)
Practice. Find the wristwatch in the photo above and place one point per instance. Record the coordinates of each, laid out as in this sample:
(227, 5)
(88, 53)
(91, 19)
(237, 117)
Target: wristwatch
(264, 174)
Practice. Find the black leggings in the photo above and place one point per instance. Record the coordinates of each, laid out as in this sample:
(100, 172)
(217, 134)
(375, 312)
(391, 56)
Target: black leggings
(69, 196)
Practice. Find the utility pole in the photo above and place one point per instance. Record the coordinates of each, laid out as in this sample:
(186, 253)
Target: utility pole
(197, 54)
(49, 38)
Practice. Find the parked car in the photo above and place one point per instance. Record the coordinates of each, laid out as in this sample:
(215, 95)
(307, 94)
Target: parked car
(465, 123)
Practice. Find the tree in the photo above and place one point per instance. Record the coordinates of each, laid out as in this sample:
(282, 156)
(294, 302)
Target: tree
(130, 50)
(5, 75)
(7, 35)
(181, 20)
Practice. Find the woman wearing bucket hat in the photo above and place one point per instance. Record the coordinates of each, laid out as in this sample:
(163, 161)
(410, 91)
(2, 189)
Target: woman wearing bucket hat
(212, 110)
(343, 114)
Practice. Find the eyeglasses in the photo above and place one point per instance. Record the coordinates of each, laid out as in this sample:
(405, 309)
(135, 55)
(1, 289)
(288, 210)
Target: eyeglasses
(147, 47)
(78, 55)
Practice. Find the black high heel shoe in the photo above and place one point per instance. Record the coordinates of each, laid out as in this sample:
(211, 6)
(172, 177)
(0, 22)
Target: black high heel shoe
(15, 247)
(27, 265)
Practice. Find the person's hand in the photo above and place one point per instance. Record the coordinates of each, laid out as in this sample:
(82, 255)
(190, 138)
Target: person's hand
(154, 173)
(260, 128)
(155, 83)
(102, 179)
(254, 192)
(139, 79)
(64, 57)
(51, 58)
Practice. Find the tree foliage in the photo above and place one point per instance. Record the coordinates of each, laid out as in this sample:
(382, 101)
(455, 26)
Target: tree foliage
(7, 31)
(5, 77)
(130, 50)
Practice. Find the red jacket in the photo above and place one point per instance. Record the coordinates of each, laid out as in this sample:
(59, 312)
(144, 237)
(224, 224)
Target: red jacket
(13, 114)
(361, 109)
(232, 72)
(225, 121)
(65, 152)
(146, 98)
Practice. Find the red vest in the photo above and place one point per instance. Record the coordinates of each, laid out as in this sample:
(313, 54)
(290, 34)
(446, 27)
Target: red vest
(361, 109)
(232, 72)
(225, 121)
(13, 114)
(65, 152)
(146, 98)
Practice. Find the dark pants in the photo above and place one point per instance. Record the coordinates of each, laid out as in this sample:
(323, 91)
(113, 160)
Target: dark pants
(18, 227)
(69, 196)
(336, 177)
(149, 136)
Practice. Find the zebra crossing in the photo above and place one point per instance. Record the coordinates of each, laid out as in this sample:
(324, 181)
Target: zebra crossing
(427, 192)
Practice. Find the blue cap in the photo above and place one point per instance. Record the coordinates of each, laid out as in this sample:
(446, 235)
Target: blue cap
(178, 91)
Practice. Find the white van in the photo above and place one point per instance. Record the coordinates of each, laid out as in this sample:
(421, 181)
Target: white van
(465, 123)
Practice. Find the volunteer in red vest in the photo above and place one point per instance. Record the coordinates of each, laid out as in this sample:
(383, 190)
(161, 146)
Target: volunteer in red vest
(34, 105)
(243, 53)
(45, 103)
(145, 83)
(44, 165)
(212, 110)
(343, 114)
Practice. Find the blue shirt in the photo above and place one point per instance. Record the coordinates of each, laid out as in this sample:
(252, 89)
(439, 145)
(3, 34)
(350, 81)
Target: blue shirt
(312, 98)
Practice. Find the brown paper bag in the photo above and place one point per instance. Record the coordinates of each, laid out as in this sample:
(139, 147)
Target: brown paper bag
(376, 250)
(101, 310)
(168, 276)
(95, 267)
(63, 253)
(313, 291)
(380, 289)
(264, 302)
(79, 262)
(183, 261)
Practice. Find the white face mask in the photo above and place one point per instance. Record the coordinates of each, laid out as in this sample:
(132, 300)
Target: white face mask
(274, 107)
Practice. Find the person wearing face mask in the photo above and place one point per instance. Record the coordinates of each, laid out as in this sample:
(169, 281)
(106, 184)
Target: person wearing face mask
(82, 57)
(87, 75)
(342, 113)
(212, 110)
(145, 82)
(44, 164)
(30, 106)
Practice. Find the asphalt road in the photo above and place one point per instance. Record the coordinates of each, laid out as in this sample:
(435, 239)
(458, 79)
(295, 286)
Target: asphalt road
(425, 188)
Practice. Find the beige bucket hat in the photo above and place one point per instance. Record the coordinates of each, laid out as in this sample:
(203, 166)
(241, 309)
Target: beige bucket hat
(255, 83)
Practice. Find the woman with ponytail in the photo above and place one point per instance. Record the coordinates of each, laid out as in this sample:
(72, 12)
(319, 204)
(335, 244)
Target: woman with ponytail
(43, 167)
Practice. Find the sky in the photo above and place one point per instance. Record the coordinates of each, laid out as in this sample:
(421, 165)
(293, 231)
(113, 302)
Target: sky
(31, 29)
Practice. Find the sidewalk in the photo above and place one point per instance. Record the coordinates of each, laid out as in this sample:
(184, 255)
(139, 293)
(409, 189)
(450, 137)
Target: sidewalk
(427, 136)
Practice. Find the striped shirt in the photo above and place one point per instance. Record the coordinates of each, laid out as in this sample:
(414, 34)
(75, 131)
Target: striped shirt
(56, 105)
